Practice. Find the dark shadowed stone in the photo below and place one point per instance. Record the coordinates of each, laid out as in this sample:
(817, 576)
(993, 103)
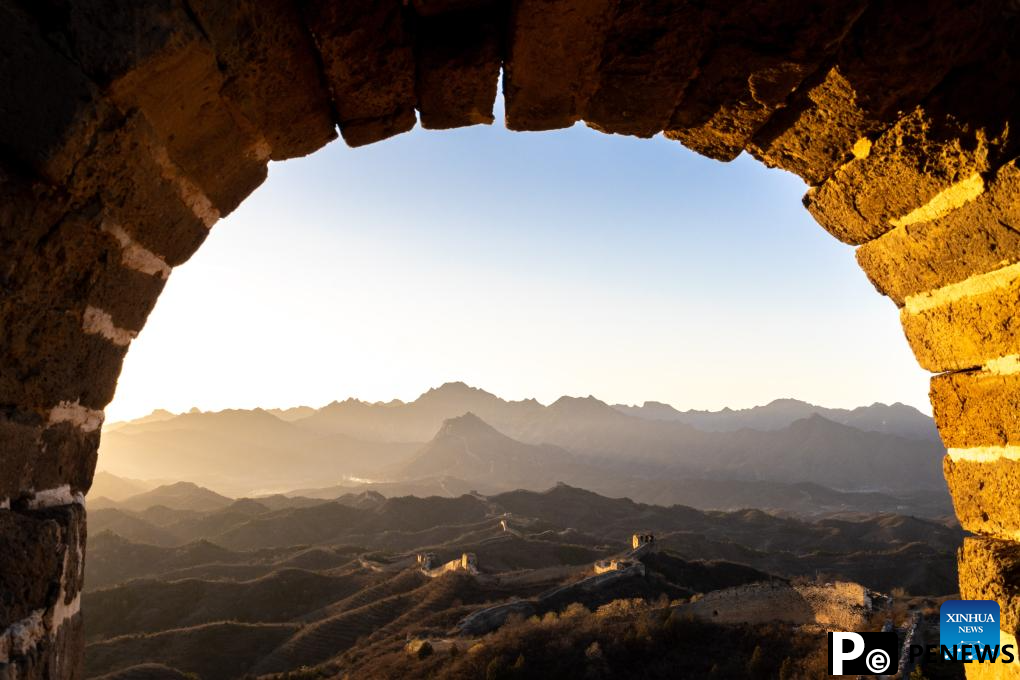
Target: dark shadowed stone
(651, 52)
(896, 53)
(979, 237)
(43, 359)
(762, 53)
(963, 128)
(458, 57)
(152, 57)
(554, 52)
(135, 192)
(47, 128)
(41, 573)
(271, 72)
(34, 455)
(976, 408)
(368, 56)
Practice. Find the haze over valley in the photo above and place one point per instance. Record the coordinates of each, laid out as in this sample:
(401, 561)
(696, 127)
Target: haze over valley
(787, 455)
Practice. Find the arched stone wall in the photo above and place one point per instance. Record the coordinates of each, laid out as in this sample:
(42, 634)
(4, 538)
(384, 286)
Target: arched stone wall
(128, 128)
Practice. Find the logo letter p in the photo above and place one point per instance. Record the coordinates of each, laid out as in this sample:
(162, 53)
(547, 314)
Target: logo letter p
(837, 653)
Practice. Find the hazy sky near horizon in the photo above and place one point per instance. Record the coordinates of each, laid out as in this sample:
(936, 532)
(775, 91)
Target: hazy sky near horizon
(531, 265)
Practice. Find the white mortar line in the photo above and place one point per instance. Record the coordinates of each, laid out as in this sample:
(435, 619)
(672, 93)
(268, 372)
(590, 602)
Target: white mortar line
(86, 419)
(1007, 365)
(97, 322)
(190, 193)
(944, 202)
(134, 255)
(975, 285)
(61, 495)
(985, 454)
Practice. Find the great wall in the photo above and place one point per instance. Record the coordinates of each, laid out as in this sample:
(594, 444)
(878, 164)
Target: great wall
(129, 129)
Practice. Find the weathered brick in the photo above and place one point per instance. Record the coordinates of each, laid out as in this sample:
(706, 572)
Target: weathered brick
(554, 53)
(138, 193)
(50, 109)
(986, 495)
(152, 57)
(979, 237)
(368, 55)
(458, 57)
(967, 332)
(35, 455)
(960, 132)
(763, 52)
(895, 54)
(271, 72)
(650, 54)
(990, 570)
(40, 580)
(45, 355)
(977, 408)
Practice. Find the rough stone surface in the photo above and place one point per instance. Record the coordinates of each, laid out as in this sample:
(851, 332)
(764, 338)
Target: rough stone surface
(941, 142)
(49, 129)
(977, 408)
(43, 548)
(138, 193)
(367, 51)
(49, 271)
(965, 333)
(990, 570)
(986, 495)
(271, 72)
(896, 54)
(651, 52)
(458, 57)
(981, 236)
(764, 52)
(150, 56)
(554, 52)
(36, 456)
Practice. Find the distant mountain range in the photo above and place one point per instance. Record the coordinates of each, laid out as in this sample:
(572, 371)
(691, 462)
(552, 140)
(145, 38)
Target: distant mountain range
(454, 438)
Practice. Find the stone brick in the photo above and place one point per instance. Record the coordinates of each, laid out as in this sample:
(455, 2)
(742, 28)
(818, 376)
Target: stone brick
(979, 237)
(31, 555)
(47, 128)
(138, 193)
(861, 95)
(965, 333)
(368, 56)
(977, 408)
(651, 53)
(554, 53)
(961, 131)
(152, 57)
(40, 578)
(986, 495)
(271, 72)
(36, 456)
(990, 570)
(43, 358)
(764, 52)
(458, 57)
(907, 167)
(128, 296)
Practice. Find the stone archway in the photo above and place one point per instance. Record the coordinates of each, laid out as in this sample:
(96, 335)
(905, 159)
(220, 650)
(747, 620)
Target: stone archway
(128, 129)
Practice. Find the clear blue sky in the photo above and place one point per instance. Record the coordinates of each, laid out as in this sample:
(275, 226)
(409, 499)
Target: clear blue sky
(535, 264)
